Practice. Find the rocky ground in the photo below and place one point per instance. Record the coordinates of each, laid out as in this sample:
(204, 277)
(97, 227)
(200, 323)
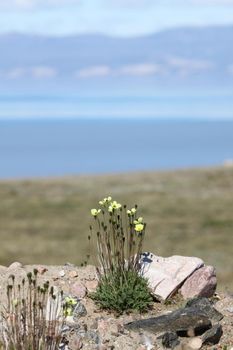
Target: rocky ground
(90, 328)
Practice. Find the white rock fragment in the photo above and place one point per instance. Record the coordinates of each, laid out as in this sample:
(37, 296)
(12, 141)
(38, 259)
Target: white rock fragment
(54, 306)
(62, 273)
(147, 342)
(15, 265)
(230, 309)
(165, 275)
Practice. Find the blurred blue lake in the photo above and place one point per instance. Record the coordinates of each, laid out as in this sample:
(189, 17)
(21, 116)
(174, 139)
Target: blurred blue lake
(64, 136)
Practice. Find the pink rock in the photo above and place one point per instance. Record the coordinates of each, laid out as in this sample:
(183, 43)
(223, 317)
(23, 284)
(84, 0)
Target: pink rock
(103, 326)
(42, 270)
(202, 283)
(76, 343)
(78, 290)
(91, 286)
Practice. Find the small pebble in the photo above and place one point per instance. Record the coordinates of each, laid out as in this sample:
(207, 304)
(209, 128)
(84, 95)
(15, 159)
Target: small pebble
(93, 336)
(62, 273)
(195, 343)
(70, 320)
(230, 309)
(78, 290)
(65, 329)
(147, 342)
(73, 274)
(91, 286)
(76, 343)
(42, 270)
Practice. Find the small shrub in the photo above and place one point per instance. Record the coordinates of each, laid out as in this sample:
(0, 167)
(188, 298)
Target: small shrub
(123, 294)
(119, 236)
(32, 319)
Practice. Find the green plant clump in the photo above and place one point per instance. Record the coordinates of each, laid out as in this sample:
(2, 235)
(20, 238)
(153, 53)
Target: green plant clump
(123, 294)
(119, 236)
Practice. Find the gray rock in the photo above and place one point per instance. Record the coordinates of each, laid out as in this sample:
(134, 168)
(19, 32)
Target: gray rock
(213, 335)
(93, 336)
(204, 306)
(194, 319)
(73, 328)
(82, 332)
(63, 345)
(169, 340)
(230, 309)
(202, 283)
(180, 321)
(65, 329)
(79, 311)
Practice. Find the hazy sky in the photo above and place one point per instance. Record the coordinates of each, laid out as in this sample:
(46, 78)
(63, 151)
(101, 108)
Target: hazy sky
(113, 17)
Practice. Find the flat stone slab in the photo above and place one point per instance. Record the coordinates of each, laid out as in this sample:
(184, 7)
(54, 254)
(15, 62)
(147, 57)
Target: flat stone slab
(165, 275)
(180, 321)
(194, 319)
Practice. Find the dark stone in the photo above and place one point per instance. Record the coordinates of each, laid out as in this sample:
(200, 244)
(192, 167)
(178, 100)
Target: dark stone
(194, 319)
(79, 311)
(181, 320)
(204, 306)
(63, 344)
(93, 336)
(169, 340)
(213, 335)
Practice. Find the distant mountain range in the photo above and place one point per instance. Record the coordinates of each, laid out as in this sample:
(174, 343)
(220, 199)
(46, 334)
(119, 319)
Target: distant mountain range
(177, 57)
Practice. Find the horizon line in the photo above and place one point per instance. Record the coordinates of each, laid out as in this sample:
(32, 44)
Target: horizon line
(114, 36)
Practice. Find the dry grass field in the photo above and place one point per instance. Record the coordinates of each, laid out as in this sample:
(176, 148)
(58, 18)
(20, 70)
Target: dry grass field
(188, 212)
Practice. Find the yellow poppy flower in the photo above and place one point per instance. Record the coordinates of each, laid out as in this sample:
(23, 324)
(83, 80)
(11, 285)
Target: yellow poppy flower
(70, 301)
(95, 212)
(106, 200)
(114, 206)
(139, 227)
